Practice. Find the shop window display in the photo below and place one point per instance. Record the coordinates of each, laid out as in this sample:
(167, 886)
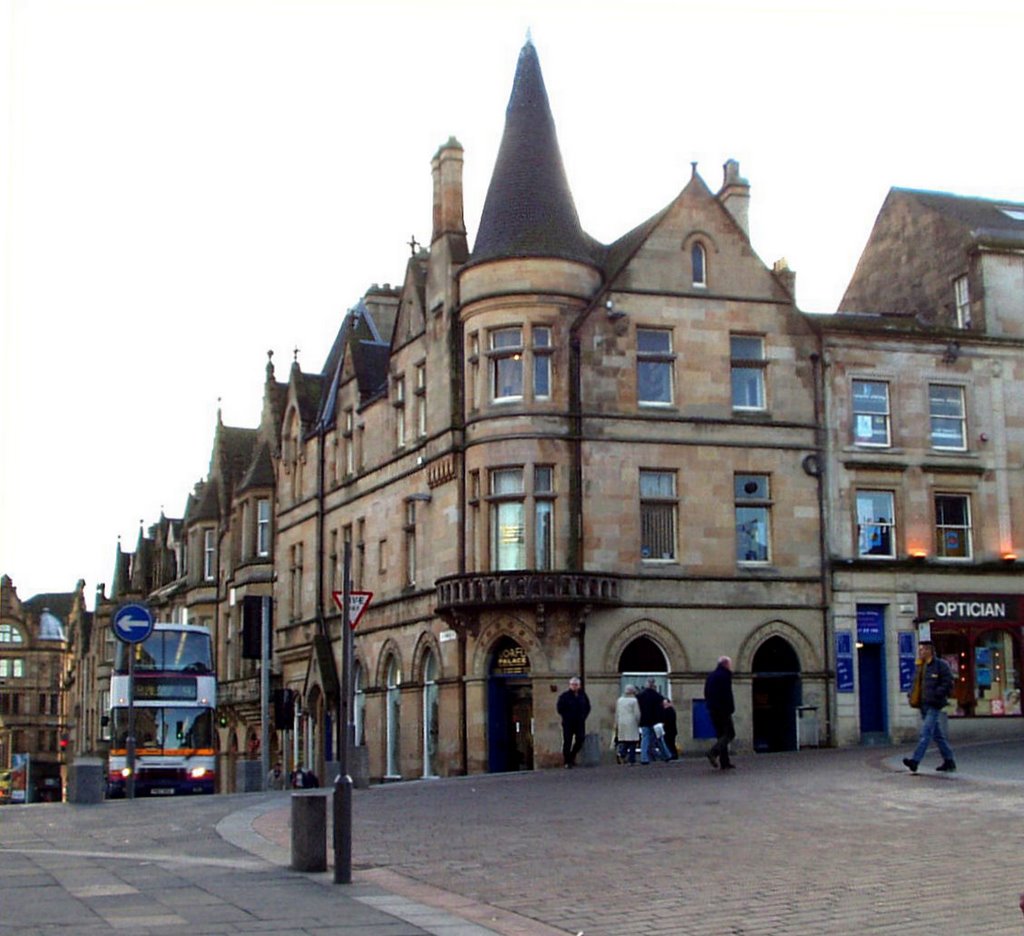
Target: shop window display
(987, 671)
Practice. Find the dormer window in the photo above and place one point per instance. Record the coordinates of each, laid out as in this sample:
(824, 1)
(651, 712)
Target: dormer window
(963, 302)
(699, 265)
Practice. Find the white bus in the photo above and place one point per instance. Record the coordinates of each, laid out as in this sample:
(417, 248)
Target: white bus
(174, 711)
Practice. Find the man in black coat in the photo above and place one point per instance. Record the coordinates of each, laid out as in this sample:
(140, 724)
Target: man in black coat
(574, 707)
(651, 708)
(719, 701)
(934, 682)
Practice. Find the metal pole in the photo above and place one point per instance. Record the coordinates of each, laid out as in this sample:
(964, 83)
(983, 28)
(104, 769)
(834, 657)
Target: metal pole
(343, 783)
(265, 691)
(130, 740)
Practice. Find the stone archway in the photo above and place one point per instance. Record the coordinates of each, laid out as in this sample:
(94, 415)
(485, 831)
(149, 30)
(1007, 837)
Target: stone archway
(776, 691)
(509, 707)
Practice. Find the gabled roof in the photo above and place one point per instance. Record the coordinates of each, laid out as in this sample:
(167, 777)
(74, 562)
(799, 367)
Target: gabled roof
(529, 209)
(204, 504)
(361, 349)
(236, 447)
(260, 473)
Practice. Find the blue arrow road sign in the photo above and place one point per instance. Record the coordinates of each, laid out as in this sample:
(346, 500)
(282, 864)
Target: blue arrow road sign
(133, 623)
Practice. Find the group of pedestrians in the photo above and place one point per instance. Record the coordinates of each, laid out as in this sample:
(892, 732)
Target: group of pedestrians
(645, 719)
(298, 779)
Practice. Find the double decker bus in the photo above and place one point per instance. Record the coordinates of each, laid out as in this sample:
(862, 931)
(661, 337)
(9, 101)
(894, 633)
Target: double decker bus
(174, 703)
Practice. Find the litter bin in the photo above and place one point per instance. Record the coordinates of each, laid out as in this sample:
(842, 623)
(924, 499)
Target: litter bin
(309, 830)
(806, 726)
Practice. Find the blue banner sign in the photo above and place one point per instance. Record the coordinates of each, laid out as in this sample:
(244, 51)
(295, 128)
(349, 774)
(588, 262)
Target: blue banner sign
(870, 623)
(844, 661)
(907, 644)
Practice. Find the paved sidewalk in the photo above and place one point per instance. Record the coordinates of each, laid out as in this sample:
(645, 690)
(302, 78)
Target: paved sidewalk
(815, 842)
(163, 866)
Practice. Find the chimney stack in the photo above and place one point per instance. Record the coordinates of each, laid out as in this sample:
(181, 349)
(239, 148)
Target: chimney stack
(735, 195)
(446, 168)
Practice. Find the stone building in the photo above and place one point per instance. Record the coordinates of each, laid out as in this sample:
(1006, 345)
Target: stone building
(925, 454)
(545, 456)
(548, 457)
(32, 644)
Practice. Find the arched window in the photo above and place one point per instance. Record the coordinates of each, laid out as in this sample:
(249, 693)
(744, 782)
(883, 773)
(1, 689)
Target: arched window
(392, 709)
(430, 715)
(641, 660)
(699, 264)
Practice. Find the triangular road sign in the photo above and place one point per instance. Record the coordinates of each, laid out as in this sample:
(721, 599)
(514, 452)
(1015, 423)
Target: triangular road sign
(358, 602)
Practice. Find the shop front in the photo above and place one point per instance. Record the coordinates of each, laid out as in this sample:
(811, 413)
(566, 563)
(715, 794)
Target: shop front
(981, 636)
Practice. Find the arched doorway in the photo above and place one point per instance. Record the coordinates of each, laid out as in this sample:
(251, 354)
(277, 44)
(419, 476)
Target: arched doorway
(392, 732)
(509, 709)
(430, 719)
(641, 660)
(776, 694)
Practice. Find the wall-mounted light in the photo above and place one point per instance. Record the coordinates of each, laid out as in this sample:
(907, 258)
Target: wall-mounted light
(613, 313)
(918, 554)
(1009, 557)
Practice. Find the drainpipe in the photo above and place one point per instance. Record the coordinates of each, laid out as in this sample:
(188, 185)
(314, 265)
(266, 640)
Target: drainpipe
(824, 570)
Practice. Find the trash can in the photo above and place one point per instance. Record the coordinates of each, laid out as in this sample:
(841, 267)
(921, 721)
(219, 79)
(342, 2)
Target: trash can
(309, 830)
(87, 780)
(806, 726)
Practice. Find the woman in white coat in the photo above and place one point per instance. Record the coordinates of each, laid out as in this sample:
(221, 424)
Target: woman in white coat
(627, 725)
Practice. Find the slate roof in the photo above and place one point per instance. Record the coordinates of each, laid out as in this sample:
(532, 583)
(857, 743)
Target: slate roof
(204, 505)
(368, 346)
(529, 209)
(58, 603)
(260, 473)
(983, 218)
(236, 450)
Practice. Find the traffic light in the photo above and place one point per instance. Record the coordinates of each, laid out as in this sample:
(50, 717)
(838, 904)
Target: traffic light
(64, 741)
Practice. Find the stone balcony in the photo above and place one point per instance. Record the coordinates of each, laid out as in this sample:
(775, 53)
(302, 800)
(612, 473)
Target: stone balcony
(476, 591)
(239, 691)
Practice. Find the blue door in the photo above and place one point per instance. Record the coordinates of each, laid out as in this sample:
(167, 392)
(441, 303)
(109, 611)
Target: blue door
(871, 672)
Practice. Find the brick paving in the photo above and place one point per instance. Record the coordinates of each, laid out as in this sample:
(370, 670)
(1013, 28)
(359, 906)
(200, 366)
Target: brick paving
(819, 842)
(815, 842)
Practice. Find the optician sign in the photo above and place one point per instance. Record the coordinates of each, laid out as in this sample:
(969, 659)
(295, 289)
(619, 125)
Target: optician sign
(970, 608)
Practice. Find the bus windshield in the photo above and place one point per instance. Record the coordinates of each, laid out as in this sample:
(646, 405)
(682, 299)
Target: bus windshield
(168, 652)
(160, 729)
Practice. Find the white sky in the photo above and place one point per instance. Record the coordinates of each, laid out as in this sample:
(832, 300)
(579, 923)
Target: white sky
(189, 183)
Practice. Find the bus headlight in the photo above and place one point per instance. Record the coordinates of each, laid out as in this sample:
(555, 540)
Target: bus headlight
(197, 773)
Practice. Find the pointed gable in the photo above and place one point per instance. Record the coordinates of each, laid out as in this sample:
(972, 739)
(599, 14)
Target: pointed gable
(529, 209)
(657, 253)
(260, 473)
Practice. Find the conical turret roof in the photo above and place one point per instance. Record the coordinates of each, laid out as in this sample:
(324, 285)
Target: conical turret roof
(529, 210)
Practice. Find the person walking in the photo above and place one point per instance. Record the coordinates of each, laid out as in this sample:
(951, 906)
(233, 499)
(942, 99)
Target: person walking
(573, 707)
(719, 701)
(651, 709)
(627, 725)
(933, 684)
(275, 779)
(668, 719)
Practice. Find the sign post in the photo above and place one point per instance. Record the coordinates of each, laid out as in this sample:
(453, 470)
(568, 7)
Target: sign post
(352, 605)
(132, 624)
